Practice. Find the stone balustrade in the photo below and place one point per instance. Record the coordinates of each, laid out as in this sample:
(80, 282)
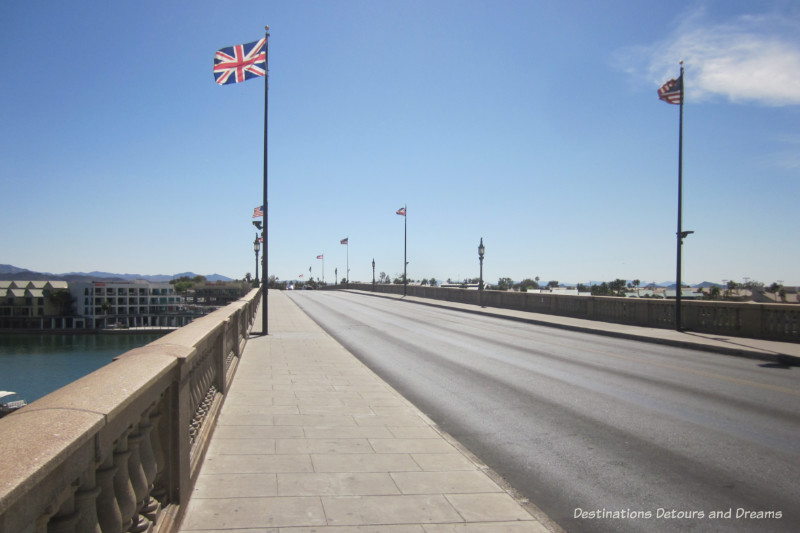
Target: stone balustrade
(780, 322)
(119, 450)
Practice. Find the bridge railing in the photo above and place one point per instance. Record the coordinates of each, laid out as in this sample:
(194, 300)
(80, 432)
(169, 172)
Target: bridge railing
(120, 449)
(779, 322)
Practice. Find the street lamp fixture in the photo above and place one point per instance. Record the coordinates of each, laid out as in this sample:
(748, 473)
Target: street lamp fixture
(481, 251)
(256, 249)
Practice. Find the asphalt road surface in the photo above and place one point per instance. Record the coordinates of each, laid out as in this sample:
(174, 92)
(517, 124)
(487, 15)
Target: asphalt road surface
(602, 434)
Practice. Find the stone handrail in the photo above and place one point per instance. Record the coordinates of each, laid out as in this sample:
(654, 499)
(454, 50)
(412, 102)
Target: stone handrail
(120, 449)
(780, 322)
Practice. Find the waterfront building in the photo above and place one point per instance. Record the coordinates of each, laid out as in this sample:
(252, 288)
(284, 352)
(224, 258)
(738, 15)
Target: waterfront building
(25, 304)
(76, 305)
(126, 304)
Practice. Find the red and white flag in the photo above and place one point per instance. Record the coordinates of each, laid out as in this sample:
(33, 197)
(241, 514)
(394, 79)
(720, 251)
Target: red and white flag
(672, 91)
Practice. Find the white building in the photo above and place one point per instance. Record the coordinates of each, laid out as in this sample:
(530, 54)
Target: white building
(128, 304)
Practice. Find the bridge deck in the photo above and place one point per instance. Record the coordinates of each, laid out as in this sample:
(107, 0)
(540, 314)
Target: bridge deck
(788, 352)
(309, 439)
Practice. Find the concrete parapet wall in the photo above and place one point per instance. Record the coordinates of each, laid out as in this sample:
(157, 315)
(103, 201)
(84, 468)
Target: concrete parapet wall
(120, 449)
(779, 322)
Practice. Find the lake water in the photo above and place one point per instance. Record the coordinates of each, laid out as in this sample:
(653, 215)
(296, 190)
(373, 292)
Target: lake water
(36, 365)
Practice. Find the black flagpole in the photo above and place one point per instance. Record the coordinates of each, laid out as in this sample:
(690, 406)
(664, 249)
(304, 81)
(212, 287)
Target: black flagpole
(405, 249)
(680, 207)
(264, 272)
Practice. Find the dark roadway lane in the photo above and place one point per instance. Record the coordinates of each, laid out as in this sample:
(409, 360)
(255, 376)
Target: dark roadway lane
(580, 423)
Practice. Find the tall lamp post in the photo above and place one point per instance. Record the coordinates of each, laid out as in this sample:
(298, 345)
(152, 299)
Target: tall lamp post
(256, 248)
(373, 275)
(481, 251)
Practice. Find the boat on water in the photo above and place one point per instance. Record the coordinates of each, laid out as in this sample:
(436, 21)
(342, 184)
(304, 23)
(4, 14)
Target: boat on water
(7, 407)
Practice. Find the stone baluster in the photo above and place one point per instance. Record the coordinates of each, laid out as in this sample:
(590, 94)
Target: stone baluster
(159, 484)
(123, 489)
(147, 455)
(138, 480)
(64, 521)
(108, 512)
(194, 387)
(86, 503)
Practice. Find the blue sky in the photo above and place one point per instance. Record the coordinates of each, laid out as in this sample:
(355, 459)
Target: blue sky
(532, 124)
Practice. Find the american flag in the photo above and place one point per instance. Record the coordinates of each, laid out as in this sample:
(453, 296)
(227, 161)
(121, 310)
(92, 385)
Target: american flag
(319, 257)
(241, 62)
(401, 211)
(344, 241)
(258, 211)
(672, 91)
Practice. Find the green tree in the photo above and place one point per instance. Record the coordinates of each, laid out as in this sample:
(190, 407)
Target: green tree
(528, 283)
(185, 283)
(62, 300)
(433, 282)
(617, 287)
(732, 286)
(601, 290)
(505, 284)
(778, 290)
(552, 284)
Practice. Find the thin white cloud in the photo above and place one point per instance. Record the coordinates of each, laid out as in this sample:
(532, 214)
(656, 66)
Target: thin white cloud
(753, 58)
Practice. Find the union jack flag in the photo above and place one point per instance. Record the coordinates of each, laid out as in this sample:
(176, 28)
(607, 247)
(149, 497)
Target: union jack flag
(241, 62)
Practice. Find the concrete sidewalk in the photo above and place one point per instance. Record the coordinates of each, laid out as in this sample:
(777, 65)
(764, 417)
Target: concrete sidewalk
(310, 440)
(783, 352)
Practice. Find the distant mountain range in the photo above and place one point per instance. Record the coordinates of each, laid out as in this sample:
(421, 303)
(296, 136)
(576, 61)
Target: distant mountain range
(10, 272)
